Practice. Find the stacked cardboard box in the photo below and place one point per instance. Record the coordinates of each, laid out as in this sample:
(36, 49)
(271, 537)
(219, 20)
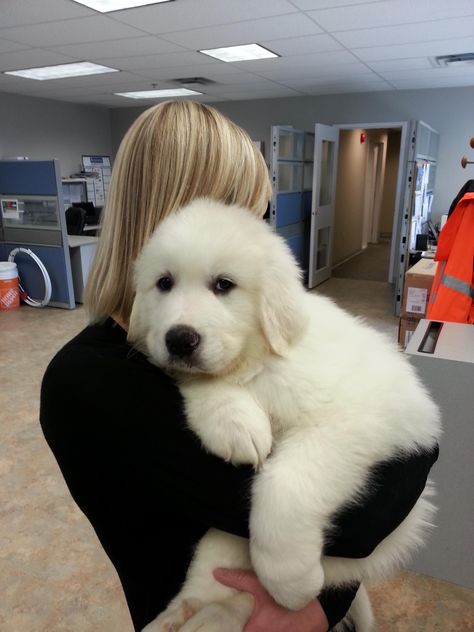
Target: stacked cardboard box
(416, 295)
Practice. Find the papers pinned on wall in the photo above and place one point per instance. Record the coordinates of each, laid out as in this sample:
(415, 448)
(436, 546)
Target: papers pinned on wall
(97, 186)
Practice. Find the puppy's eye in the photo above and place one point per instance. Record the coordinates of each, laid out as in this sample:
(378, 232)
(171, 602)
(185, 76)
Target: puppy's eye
(165, 283)
(223, 285)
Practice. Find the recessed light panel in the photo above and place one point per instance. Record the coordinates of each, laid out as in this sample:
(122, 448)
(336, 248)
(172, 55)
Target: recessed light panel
(79, 69)
(106, 6)
(246, 52)
(158, 94)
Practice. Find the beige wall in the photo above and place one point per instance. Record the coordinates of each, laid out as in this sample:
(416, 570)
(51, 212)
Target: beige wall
(349, 195)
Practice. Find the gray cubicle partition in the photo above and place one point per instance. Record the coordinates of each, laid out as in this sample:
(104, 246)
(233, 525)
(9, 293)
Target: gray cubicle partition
(32, 216)
(291, 171)
(443, 354)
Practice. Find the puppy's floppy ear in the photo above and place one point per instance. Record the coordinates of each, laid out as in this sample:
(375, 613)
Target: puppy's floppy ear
(136, 326)
(282, 310)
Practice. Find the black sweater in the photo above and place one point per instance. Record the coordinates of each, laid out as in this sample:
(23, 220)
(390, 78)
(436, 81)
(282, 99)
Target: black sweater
(116, 426)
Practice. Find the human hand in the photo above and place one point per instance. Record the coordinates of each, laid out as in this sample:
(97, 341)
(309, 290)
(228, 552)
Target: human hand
(267, 614)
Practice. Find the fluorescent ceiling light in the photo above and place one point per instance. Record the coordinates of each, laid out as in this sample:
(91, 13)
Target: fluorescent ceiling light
(105, 6)
(158, 94)
(79, 69)
(245, 52)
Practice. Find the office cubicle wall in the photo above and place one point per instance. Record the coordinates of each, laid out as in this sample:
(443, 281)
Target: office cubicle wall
(32, 216)
(292, 178)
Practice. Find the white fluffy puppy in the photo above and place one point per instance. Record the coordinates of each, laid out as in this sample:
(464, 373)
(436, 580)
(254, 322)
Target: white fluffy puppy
(266, 367)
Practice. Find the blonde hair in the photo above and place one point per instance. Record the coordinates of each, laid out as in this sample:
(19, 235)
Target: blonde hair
(174, 152)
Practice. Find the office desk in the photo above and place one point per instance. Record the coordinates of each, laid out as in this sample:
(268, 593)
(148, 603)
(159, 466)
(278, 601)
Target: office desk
(91, 228)
(82, 251)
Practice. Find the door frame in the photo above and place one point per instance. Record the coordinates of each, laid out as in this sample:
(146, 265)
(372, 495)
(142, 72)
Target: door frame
(401, 178)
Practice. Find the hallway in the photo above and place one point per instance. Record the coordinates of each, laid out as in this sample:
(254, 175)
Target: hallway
(370, 265)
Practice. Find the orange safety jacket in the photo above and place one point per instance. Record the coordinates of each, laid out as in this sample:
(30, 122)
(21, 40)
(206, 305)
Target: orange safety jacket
(452, 293)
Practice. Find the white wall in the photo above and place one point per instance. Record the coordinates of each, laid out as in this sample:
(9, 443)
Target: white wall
(448, 110)
(43, 129)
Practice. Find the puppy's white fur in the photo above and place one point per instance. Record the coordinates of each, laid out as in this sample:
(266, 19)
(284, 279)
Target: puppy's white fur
(281, 370)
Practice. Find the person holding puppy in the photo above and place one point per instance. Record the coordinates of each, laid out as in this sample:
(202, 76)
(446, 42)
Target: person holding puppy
(139, 475)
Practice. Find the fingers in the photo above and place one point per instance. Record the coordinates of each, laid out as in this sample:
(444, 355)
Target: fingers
(241, 580)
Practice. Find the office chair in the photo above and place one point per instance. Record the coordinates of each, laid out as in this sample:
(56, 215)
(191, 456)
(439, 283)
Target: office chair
(75, 220)
(90, 209)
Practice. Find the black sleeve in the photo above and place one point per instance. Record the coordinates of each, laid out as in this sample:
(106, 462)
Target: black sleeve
(135, 470)
(393, 488)
(116, 426)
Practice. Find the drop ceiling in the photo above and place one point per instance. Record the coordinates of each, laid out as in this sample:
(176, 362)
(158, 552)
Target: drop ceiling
(324, 47)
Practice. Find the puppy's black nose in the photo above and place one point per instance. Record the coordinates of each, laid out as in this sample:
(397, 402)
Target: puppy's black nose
(182, 340)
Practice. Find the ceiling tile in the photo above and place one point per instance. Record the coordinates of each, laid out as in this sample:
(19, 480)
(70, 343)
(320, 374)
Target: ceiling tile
(133, 46)
(263, 84)
(315, 70)
(361, 81)
(331, 77)
(297, 62)
(22, 12)
(407, 33)
(182, 15)
(428, 49)
(31, 58)
(302, 45)
(389, 13)
(308, 5)
(92, 29)
(430, 74)
(7, 47)
(276, 93)
(343, 89)
(221, 73)
(293, 25)
(325, 46)
(399, 64)
(143, 62)
(442, 82)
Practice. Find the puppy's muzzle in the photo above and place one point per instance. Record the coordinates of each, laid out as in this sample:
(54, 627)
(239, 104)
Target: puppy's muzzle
(181, 341)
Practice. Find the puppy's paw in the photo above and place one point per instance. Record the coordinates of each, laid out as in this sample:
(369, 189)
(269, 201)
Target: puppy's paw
(296, 593)
(173, 618)
(214, 617)
(241, 437)
(291, 580)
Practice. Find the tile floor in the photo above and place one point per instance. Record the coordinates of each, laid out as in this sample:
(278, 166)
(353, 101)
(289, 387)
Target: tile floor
(54, 577)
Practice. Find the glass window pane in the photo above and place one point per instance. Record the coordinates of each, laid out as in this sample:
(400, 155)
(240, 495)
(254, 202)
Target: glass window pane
(322, 252)
(325, 186)
(30, 212)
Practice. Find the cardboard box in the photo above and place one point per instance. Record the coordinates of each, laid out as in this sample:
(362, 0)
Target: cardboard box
(406, 329)
(416, 293)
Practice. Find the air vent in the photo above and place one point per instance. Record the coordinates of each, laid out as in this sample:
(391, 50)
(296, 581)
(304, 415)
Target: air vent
(194, 81)
(453, 61)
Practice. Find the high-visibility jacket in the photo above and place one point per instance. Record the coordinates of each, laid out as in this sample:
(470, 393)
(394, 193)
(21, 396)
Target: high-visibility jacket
(452, 293)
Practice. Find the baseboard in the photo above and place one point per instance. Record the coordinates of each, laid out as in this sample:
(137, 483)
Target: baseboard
(340, 263)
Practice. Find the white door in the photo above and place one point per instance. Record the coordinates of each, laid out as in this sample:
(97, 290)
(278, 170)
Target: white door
(326, 142)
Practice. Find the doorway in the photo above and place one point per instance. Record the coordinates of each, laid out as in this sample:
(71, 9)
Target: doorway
(366, 202)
